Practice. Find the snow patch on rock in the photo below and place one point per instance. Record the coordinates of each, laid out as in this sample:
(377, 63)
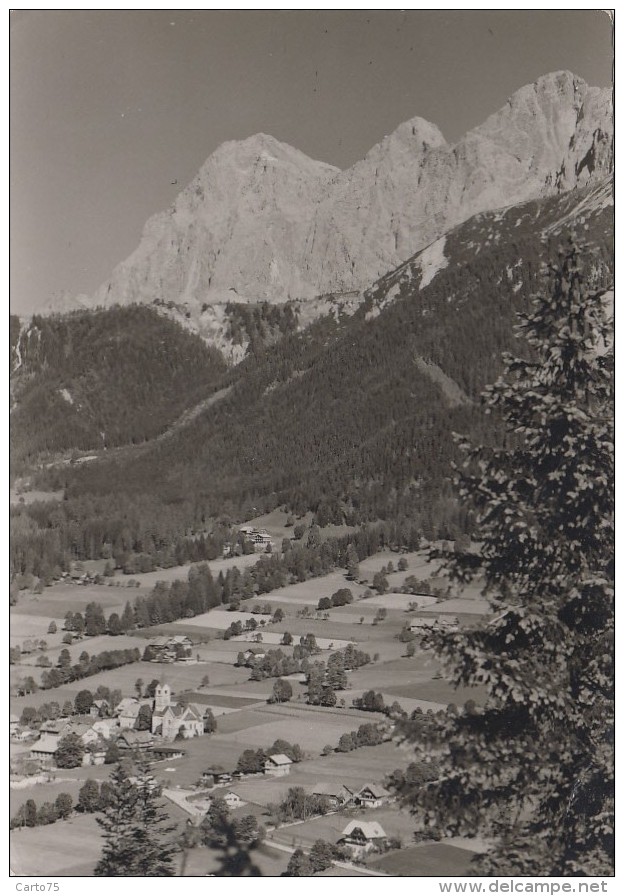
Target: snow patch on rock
(432, 261)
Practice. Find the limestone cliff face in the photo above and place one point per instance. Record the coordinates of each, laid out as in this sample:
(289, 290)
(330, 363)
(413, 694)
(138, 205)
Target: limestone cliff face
(262, 221)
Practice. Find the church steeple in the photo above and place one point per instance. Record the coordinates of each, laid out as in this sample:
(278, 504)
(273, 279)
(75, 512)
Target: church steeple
(162, 698)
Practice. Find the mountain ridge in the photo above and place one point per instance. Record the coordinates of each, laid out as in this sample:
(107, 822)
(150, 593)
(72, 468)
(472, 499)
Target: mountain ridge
(263, 222)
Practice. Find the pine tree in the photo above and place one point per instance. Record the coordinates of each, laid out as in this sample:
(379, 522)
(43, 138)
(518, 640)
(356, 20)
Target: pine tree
(534, 767)
(137, 836)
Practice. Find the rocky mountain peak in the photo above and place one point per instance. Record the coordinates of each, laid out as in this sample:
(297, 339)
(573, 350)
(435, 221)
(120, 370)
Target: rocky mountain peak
(263, 221)
(417, 134)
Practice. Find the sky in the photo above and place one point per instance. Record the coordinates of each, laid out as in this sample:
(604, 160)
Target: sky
(113, 112)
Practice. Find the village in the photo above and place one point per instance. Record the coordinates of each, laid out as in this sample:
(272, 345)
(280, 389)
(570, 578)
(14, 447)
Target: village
(221, 707)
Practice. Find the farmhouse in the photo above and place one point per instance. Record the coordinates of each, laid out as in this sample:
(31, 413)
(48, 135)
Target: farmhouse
(371, 796)
(277, 765)
(420, 623)
(361, 837)
(45, 748)
(216, 775)
(252, 654)
(95, 753)
(104, 727)
(134, 740)
(336, 794)
(23, 734)
(99, 709)
(232, 800)
(166, 751)
(86, 733)
(127, 711)
(13, 725)
(55, 726)
(169, 649)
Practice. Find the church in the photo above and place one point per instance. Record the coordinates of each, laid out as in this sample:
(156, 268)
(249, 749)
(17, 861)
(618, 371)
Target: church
(171, 719)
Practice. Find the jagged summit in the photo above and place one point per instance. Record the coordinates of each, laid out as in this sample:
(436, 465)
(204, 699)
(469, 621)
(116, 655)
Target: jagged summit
(263, 221)
(418, 134)
(264, 147)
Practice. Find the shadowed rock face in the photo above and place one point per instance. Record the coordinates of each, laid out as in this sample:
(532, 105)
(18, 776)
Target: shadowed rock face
(262, 221)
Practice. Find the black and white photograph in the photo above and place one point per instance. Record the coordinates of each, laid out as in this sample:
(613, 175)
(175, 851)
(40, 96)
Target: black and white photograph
(312, 447)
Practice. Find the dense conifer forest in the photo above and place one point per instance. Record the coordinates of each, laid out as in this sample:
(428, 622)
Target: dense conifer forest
(351, 418)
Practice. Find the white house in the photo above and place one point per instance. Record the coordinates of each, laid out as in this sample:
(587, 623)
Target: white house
(127, 711)
(371, 796)
(232, 800)
(13, 725)
(104, 727)
(277, 765)
(361, 837)
(254, 653)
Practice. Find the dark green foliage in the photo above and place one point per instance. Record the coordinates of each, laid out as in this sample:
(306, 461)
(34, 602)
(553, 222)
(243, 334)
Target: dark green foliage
(47, 814)
(89, 797)
(28, 816)
(342, 597)
(340, 416)
(370, 702)
(138, 838)
(346, 744)
(322, 855)
(233, 840)
(534, 767)
(259, 324)
(112, 754)
(251, 761)
(299, 865)
(210, 723)
(99, 662)
(380, 583)
(144, 718)
(282, 691)
(121, 387)
(83, 702)
(299, 805)
(69, 752)
(293, 751)
(369, 735)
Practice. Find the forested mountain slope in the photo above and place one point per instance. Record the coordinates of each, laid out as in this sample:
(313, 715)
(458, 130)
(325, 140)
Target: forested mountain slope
(94, 380)
(353, 417)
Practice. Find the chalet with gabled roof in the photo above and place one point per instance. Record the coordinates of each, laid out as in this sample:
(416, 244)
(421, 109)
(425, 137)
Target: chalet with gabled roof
(277, 765)
(45, 748)
(371, 796)
(336, 794)
(360, 837)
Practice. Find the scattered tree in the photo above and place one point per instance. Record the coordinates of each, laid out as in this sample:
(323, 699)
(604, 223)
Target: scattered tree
(299, 865)
(89, 796)
(69, 752)
(282, 691)
(138, 838)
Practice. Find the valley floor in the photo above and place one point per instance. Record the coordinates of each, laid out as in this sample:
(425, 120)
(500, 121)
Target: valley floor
(246, 721)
